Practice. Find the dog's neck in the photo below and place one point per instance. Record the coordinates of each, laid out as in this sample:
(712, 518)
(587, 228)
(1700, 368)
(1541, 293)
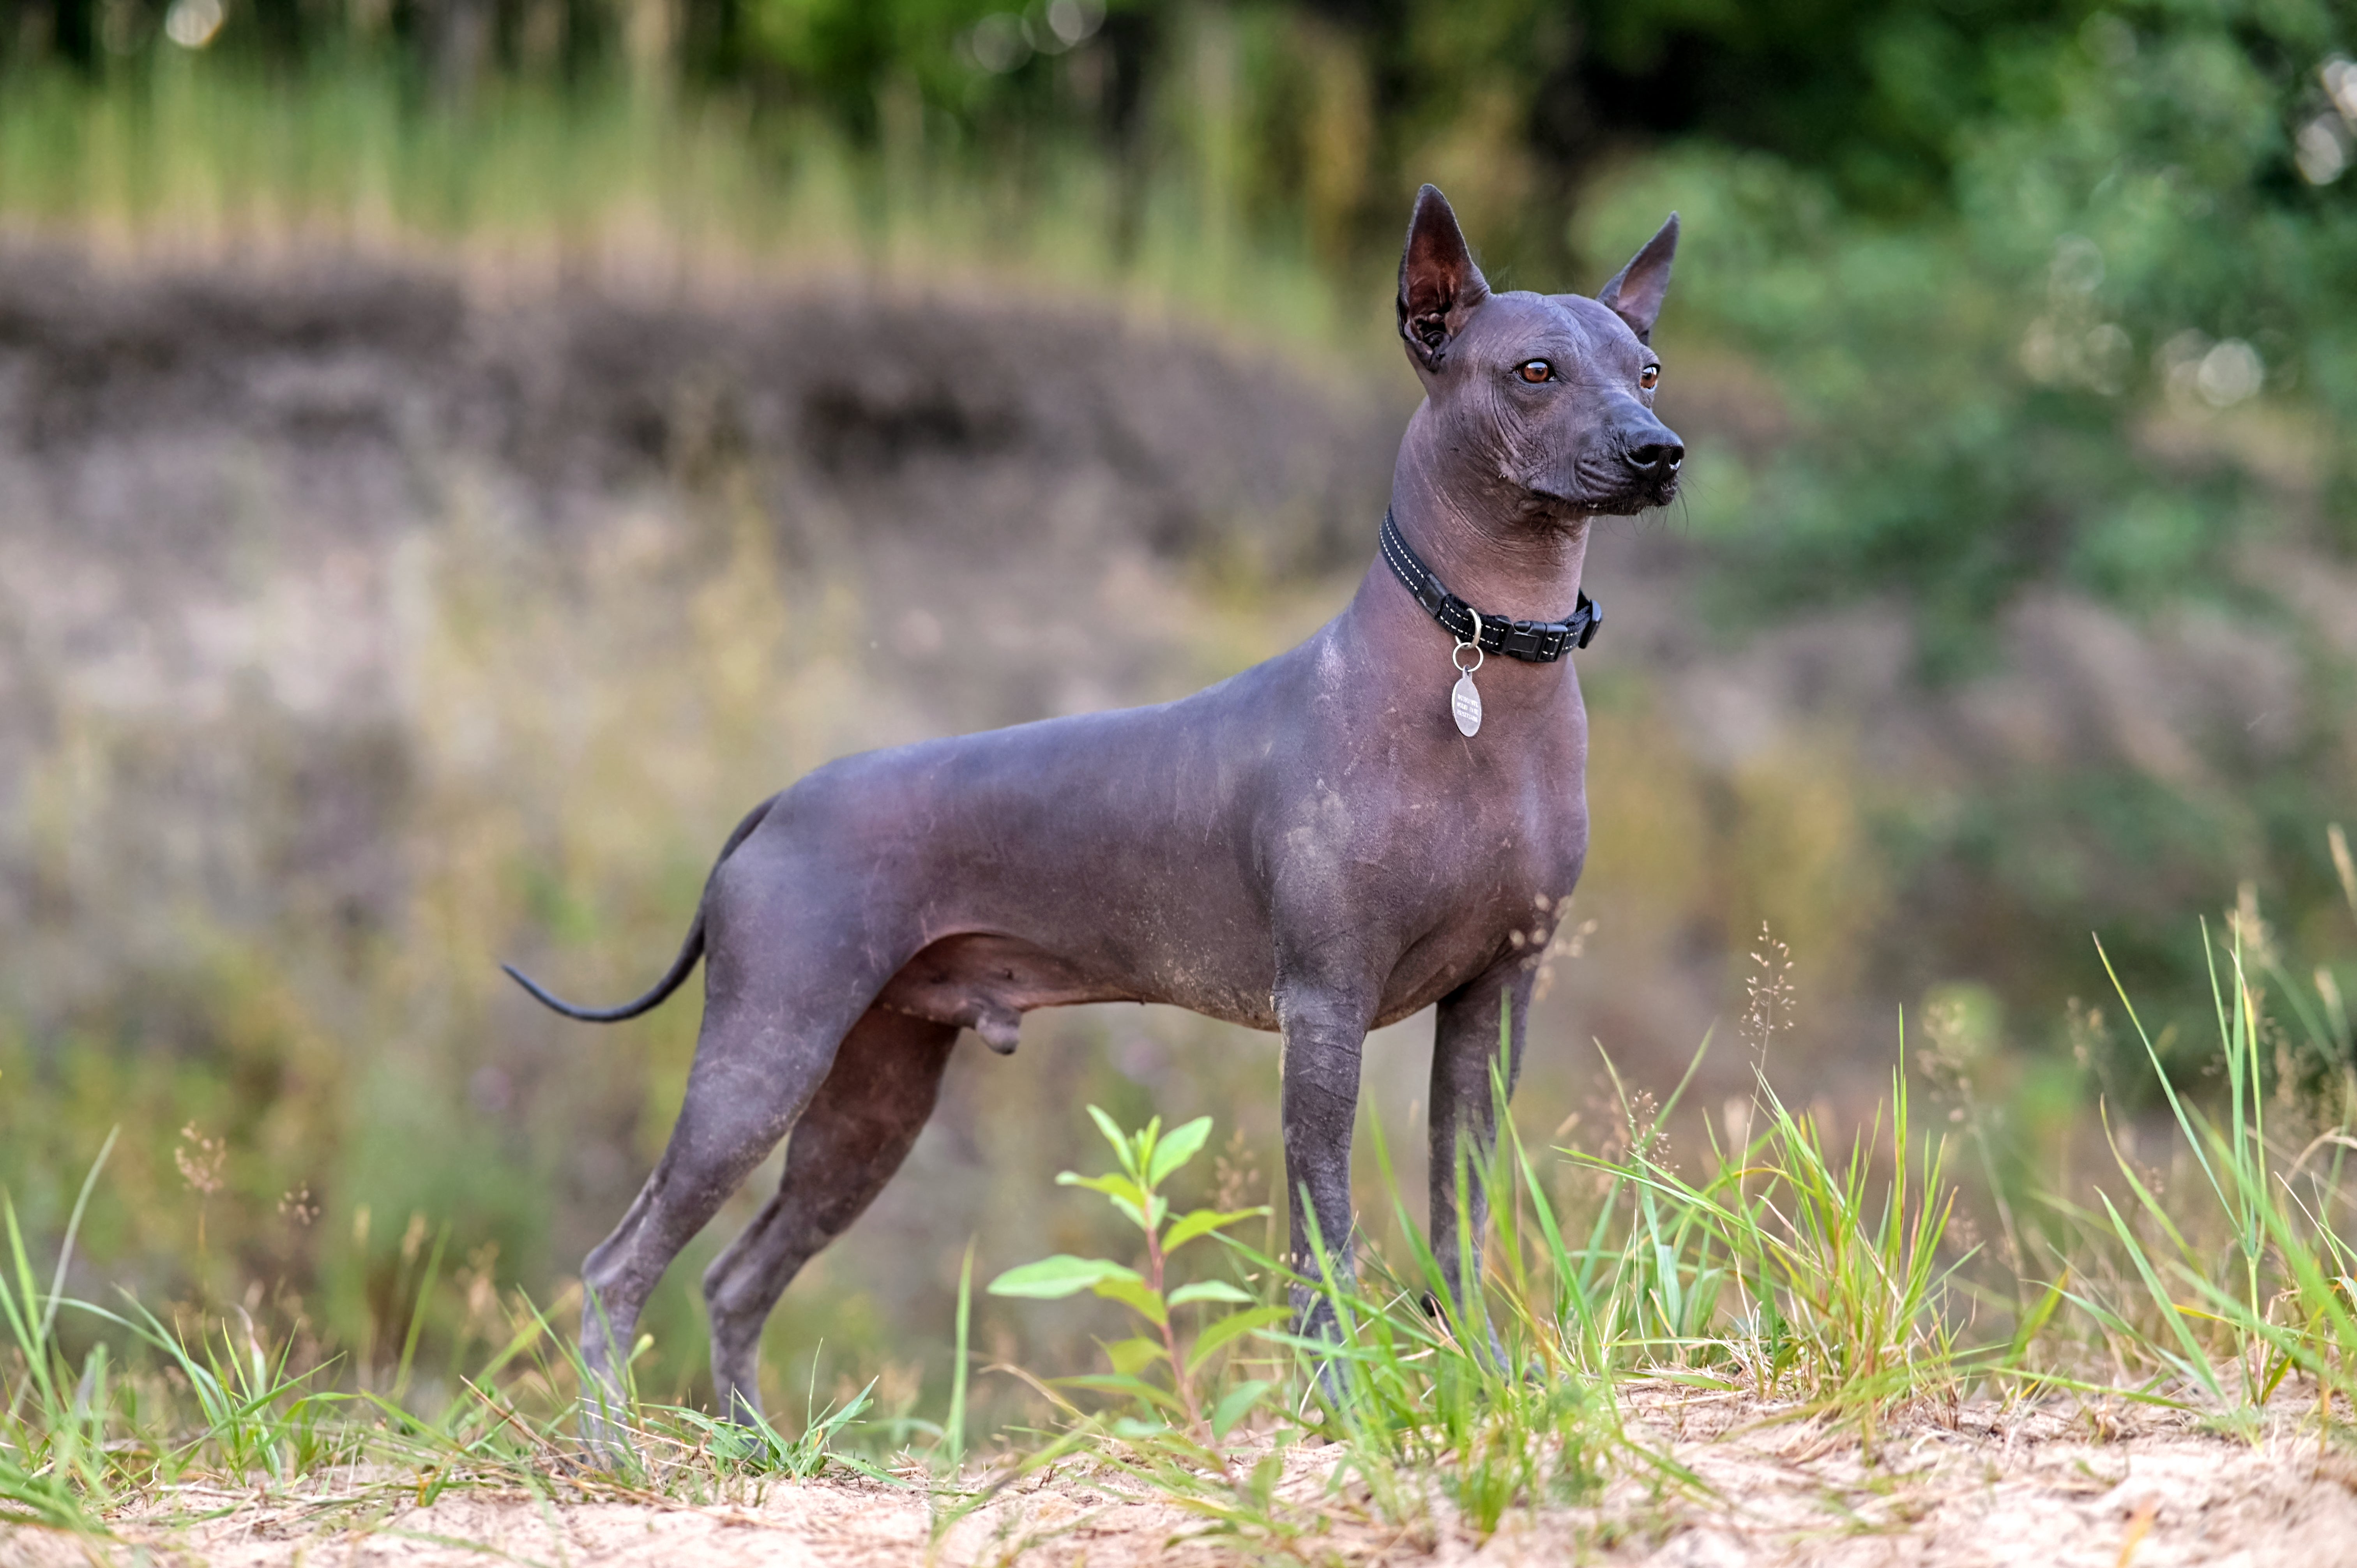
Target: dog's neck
(1468, 532)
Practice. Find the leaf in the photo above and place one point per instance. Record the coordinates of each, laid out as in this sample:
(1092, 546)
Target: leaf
(1131, 1357)
(1137, 1388)
(1236, 1404)
(1119, 1188)
(1208, 1290)
(1124, 1193)
(1133, 1293)
(1203, 1222)
(1234, 1326)
(1176, 1148)
(1060, 1275)
(1117, 1138)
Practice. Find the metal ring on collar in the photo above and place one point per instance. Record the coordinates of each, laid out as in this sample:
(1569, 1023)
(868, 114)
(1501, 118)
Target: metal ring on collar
(1473, 642)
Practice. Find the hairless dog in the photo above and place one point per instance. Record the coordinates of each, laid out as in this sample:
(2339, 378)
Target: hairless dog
(1326, 843)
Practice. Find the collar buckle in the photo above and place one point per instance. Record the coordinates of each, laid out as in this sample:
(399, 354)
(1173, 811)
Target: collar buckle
(1532, 641)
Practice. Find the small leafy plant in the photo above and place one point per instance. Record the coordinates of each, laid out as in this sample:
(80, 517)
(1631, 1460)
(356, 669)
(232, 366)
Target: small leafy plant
(1149, 1158)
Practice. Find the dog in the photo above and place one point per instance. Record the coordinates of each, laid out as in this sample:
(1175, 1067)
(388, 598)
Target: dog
(1326, 843)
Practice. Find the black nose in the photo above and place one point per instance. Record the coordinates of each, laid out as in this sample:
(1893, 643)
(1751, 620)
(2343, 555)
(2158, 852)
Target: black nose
(1657, 456)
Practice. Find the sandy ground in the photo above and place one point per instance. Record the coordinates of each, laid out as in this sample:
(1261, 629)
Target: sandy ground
(1982, 1485)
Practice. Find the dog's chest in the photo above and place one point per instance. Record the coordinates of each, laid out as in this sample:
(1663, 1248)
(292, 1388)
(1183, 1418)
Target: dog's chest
(1464, 818)
(1508, 912)
(1446, 860)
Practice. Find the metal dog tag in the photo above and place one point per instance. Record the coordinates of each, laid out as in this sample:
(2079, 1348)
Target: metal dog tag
(1464, 701)
(1465, 706)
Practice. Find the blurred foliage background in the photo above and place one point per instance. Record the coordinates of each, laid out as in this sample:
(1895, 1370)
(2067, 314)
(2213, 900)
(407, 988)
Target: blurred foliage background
(2013, 597)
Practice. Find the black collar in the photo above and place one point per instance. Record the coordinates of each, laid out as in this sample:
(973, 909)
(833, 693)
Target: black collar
(1538, 641)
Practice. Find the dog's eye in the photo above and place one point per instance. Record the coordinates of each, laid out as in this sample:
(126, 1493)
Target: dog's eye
(1537, 370)
(1650, 377)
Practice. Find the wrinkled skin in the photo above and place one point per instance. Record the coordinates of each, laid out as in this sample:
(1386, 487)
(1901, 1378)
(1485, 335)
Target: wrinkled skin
(1308, 847)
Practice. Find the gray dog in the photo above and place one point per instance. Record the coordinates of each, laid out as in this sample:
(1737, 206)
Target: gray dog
(1326, 843)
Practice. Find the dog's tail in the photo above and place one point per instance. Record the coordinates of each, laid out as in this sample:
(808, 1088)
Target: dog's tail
(691, 950)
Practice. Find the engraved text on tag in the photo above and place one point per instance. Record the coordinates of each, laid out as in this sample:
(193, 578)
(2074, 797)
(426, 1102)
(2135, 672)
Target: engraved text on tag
(1465, 706)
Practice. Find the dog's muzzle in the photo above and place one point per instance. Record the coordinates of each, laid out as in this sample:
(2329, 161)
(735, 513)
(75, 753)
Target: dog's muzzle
(1653, 458)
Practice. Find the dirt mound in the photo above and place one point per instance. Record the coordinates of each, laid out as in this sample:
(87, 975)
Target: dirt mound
(158, 413)
(128, 402)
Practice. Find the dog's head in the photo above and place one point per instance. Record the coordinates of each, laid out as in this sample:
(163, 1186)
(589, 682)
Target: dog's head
(1547, 396)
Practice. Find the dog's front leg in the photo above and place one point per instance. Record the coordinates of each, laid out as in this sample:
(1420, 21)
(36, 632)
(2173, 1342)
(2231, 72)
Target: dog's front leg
(1325, 1030)
(1467, 1035)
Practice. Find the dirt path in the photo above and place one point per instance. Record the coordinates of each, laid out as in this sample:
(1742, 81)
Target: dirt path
(2064, 1486)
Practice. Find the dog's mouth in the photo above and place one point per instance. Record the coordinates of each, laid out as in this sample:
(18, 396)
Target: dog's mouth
(1659, 492)
(1626, 497)
(1639, 498)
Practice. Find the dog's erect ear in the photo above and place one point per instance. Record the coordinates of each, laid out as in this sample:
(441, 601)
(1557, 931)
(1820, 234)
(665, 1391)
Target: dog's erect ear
(1636, 290)
(1439, 284)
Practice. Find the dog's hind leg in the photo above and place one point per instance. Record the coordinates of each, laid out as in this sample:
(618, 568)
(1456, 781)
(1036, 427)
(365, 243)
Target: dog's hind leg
(852, 1138)
(784, 982)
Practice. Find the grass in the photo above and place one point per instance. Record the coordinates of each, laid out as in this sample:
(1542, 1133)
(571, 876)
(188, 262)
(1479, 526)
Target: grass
(2225, 1313)
(1819, 1277)
(190, 158)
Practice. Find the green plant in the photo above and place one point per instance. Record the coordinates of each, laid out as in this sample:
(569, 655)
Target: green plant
(1835, 1267)
(52, 1431)
(953, 1438)
(2231, 1308)
(1149, 1158)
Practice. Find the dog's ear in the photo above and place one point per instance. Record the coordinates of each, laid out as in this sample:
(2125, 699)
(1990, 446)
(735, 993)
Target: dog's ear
(1439, 286)
(1635, 292)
